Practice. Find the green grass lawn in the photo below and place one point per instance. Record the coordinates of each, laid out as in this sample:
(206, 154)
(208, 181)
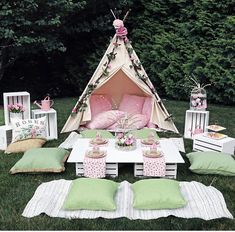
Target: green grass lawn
(17, 190)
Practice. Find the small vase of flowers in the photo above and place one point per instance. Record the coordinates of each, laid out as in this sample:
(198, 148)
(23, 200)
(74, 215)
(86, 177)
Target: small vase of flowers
(125, 142)
(16, 110)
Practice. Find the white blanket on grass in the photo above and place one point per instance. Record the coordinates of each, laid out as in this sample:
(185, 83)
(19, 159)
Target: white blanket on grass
(203, 202)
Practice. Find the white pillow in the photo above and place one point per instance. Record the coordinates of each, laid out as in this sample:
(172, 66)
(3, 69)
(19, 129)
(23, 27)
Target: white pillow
(28, 128)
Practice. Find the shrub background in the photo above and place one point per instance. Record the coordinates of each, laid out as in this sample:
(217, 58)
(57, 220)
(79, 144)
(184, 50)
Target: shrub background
(173, 39)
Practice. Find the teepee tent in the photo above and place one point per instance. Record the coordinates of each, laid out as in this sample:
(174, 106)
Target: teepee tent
(119, 72)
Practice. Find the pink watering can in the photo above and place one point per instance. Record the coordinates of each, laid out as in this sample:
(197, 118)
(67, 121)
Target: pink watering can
(45, 104)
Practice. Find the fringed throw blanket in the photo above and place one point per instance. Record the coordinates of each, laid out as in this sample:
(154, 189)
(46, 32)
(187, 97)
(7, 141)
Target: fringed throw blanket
(203, 202)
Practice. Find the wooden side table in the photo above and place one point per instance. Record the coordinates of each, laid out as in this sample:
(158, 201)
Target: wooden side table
(194, 120)
(14, 98)
(203, 143)
(51, 118)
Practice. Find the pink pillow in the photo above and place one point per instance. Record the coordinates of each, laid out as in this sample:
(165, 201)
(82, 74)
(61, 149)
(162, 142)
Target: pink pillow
(105, 119)
(99, 103)
(136, 121)
(147, 110)
(132, 104)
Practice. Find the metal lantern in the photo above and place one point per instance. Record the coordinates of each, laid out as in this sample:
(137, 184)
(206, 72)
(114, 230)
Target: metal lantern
(198, 98)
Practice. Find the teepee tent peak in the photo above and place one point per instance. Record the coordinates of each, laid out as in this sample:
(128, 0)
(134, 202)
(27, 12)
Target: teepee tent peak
(119, 72)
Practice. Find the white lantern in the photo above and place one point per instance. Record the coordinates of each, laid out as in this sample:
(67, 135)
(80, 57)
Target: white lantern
(198, 98)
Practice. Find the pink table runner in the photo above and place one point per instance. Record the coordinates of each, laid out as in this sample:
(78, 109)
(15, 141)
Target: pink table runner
(154, 166)
(94, 168)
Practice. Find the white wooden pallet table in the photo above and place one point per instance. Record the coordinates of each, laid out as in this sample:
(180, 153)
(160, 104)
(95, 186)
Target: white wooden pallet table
(114, 157)
(203, 143)
(51, 119)
(5, 136)
(195, 119)
(13, 98)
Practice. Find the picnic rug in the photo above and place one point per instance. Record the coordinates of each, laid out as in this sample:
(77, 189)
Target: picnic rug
(204, 202)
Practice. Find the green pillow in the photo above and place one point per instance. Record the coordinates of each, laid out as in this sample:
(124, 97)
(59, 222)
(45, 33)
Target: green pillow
(143, 133)
(157, 194)
(91, 194)
(92, 134)
(41, 160)
(210, 162)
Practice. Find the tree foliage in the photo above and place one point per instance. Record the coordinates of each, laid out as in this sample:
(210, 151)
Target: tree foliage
(59, 43)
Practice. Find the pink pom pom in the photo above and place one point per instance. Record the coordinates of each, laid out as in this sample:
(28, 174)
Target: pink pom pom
(117, 23)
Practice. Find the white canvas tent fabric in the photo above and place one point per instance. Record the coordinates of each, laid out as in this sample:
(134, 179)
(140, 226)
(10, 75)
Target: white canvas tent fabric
(120, 80)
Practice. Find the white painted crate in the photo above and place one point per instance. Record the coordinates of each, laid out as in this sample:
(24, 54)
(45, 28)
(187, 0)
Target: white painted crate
(202, 143)
(111, 169)
(171, 170)
(193, 120)
(13, 98)
(5, 136)
(51, 121)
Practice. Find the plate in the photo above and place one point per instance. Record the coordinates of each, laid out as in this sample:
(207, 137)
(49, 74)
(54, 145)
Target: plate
(147, 142)
(152, 155)
(96, 155)
(94, 142)
(215, 136)
(215, 128)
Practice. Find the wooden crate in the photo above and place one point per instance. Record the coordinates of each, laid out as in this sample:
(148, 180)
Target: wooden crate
(111, 169)
(171, 170)
(202, 143)
(193, 120)
(51, 116)
(13, 98)
(5, 136)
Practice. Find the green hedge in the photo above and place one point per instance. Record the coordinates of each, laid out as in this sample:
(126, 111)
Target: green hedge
(173, 38)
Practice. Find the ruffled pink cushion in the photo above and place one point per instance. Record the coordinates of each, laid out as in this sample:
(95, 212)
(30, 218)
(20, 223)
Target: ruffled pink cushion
(136, 121)
(147, 110)
(99, 103)
(132, 104)
(105, 119)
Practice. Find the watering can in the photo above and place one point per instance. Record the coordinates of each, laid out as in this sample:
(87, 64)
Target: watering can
(45, 104)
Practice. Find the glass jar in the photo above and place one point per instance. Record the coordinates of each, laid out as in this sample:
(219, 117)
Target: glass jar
(198, 99)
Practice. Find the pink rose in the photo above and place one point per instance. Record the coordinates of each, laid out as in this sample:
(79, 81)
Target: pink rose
(126, 40)
(74, 110)
(129, 141)
(117, 23)
(194, 103)
(120, 135)
(121, 32)
(132, 58)
(198, 100)
(9, 106)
